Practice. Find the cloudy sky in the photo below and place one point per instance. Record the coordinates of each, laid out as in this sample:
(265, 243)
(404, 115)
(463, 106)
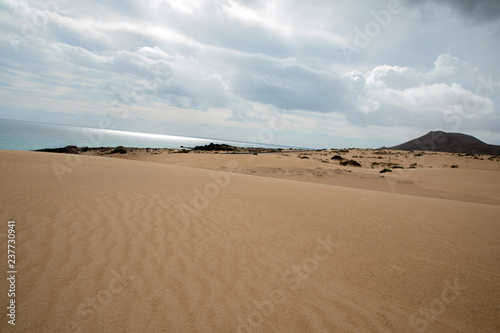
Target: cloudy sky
(319, 73)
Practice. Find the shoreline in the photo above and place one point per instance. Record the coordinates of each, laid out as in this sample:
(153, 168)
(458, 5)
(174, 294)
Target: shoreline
(198, 149)
(462, 177)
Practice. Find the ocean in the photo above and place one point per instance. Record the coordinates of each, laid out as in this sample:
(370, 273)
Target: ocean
(29, 135)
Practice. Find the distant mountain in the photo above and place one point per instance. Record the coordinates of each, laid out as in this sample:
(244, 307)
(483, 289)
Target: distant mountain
(450, 143)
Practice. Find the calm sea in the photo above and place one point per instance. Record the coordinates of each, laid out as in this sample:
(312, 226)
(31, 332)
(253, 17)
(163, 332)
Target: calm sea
(27, 135)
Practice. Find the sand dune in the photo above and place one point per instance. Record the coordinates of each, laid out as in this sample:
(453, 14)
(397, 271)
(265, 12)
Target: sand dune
(475, 180)
(114, 245)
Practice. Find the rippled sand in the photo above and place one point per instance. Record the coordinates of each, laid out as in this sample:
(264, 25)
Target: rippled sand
(114, 245)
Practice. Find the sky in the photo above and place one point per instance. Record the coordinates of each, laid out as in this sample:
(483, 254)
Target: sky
(318, 74)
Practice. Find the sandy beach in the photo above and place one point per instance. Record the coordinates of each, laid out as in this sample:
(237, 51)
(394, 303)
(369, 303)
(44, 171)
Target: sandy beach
(282, 242)
(250, 166)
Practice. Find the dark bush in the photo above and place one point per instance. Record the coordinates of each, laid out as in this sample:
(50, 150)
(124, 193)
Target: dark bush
(120, 150)
(385, 170)
(341, 151)
(337, 157)
(219, 147)
(350, 162)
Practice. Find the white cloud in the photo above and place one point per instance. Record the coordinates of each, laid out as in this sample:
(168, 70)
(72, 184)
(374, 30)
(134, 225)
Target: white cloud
(406, 89)
(439, 97)
(236, 59)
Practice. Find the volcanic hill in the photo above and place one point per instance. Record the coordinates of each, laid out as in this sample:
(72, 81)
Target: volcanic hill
(450, 143)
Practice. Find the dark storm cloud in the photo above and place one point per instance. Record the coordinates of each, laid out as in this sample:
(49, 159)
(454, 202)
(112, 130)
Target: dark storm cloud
(481, 10)
(477, 10)
(287, 85)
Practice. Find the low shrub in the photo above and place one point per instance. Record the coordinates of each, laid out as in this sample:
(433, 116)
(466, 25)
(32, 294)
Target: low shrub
(120, 150)
(350, 162)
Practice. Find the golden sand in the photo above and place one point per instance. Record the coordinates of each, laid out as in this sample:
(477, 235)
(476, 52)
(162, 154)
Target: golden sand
(205, 243)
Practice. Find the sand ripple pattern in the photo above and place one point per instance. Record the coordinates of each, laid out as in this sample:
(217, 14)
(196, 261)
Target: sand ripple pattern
(120, 247)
